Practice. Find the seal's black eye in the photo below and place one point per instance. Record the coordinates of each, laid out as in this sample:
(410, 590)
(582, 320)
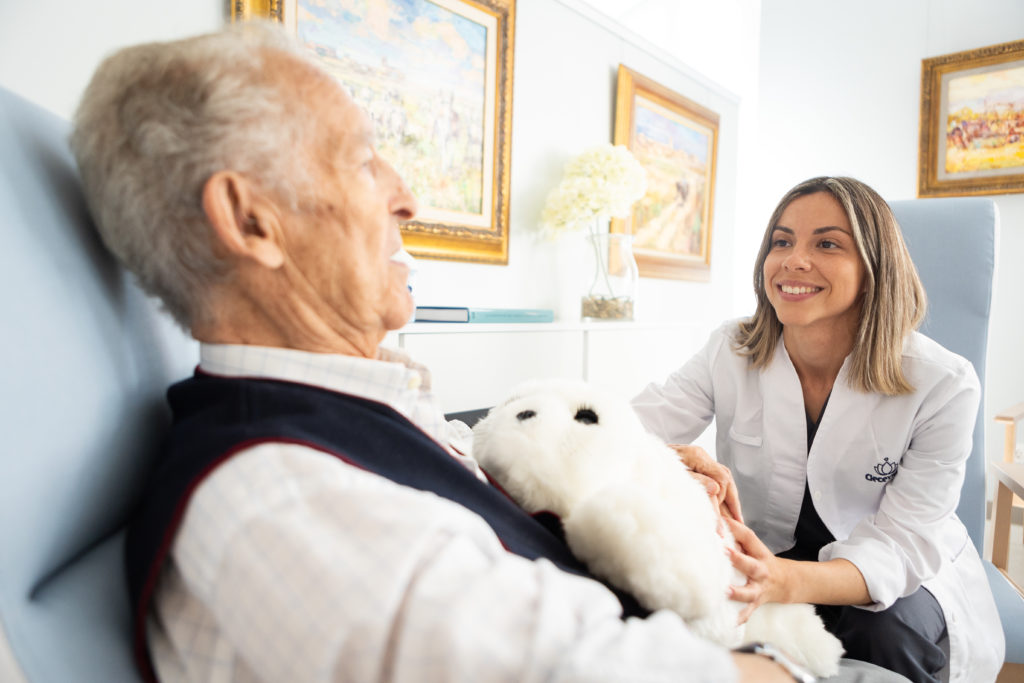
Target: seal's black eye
(586, 416)
(525, 415)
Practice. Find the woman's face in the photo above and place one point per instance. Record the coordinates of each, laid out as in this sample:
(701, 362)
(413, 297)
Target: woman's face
(813, 273)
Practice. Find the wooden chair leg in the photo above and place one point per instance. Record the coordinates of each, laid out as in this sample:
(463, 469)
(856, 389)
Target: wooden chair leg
(1001, 526)
(1009, 481)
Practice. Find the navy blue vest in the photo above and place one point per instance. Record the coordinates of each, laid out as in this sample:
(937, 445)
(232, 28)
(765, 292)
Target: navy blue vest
(215, 417)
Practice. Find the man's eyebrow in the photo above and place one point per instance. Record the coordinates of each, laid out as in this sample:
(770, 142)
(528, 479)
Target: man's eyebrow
(357, 141)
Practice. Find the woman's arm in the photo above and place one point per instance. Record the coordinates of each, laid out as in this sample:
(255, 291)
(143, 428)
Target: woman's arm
(913, 532)
(773, 579)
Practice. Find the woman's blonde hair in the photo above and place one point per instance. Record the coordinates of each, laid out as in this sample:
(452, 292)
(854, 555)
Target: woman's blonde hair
(894, 300)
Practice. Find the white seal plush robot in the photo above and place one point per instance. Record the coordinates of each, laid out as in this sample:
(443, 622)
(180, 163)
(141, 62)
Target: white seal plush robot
(633, 513)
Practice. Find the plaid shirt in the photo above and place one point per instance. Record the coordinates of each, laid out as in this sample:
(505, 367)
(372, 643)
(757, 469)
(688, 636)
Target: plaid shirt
(291, 565)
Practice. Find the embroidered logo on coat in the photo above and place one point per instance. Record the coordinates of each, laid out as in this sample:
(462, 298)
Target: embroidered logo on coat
(884, 472)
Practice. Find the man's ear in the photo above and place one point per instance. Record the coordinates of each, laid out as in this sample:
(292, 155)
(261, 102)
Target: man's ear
(244, 221)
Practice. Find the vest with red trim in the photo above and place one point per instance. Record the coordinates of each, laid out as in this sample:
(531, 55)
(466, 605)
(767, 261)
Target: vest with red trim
(216, 417)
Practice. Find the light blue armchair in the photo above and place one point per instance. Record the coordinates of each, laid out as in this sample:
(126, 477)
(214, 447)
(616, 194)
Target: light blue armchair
(86, 361)
(962, 231)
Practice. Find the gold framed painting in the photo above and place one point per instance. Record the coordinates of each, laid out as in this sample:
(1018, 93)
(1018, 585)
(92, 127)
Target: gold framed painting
(972, 122)
(676, 140)
(435, 76)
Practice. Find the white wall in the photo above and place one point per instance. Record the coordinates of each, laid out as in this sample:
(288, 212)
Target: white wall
(840, 94)
(49, 48)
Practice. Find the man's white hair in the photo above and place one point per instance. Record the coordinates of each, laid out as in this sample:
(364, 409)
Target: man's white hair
(157, 120)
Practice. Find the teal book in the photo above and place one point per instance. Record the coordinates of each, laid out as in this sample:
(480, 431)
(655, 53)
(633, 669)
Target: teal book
(465, 314)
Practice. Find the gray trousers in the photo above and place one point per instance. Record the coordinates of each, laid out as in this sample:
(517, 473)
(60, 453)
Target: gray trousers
(854, 671)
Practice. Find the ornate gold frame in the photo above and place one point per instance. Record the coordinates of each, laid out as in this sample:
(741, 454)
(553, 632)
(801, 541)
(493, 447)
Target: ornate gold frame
(653, 263)
(932, 123)
(449, 240)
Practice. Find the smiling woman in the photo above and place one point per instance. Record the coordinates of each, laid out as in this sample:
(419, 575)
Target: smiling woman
(846, 432)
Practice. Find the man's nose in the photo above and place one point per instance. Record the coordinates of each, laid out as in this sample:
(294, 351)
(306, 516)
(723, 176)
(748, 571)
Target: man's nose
(403, 203)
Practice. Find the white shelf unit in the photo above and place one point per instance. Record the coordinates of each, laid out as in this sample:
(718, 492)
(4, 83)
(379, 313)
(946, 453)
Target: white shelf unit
(474, 365)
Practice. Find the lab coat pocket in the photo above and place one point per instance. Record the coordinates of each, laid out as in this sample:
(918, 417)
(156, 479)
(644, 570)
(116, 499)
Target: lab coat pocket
(954, 540)
(746, 449)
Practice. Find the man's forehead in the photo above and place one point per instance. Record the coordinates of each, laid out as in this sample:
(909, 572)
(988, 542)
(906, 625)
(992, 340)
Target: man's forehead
(362, 126)
(334, 109)
(353, 125)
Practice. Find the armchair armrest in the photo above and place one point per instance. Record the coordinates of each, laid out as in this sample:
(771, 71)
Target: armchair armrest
(1010, 481)
(1011, 414)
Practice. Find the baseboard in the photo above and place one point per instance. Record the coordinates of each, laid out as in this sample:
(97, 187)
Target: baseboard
(1016, 517)
(1011, 673)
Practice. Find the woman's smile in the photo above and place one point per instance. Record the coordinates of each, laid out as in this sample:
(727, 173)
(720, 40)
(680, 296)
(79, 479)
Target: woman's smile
(789, 291)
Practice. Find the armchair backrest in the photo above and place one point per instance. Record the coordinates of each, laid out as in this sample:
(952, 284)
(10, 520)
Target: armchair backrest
(953, 244)
(87, 358)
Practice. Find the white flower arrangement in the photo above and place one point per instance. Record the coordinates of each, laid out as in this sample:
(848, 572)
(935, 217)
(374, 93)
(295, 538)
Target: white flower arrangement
(600, 183)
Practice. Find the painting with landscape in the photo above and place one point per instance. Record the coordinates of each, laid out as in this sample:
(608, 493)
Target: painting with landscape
(676, 153)
(972, 122)
(985, 122)
(419, 70)
(675, 140)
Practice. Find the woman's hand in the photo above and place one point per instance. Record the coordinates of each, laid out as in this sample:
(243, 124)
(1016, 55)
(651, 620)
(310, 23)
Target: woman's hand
(716, 478)
(773, 579)
(767, 578)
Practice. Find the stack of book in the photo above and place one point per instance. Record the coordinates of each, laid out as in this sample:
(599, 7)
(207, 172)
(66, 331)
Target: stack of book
(465, 314)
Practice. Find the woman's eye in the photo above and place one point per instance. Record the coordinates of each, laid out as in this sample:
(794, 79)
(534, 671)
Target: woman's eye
(779, 243)
(829, 244)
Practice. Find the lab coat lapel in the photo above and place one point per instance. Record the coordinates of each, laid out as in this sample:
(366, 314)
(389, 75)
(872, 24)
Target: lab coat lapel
(785, 443)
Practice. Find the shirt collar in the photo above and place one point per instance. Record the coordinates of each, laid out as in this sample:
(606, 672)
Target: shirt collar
(392, 378)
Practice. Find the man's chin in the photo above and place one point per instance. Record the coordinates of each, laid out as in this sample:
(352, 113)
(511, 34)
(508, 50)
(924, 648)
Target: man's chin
(400, 314)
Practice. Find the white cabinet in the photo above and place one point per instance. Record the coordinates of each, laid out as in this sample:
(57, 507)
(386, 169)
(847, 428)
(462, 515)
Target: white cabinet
(476, 365)
(626, 359)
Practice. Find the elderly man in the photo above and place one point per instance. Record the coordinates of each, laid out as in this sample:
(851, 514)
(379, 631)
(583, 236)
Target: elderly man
(310, 519)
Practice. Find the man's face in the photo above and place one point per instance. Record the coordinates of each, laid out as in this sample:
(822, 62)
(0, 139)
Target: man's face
(340, 242)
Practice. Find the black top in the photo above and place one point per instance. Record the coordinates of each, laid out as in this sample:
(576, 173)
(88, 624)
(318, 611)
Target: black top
(811, 533)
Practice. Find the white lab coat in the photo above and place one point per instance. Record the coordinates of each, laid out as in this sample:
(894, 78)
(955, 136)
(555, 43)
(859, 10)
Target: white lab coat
(884, 473)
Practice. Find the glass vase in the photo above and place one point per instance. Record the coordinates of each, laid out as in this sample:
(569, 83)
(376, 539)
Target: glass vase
(612, 278)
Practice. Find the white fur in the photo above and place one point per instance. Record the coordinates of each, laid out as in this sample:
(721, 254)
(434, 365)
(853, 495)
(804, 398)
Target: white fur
(633, 514)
